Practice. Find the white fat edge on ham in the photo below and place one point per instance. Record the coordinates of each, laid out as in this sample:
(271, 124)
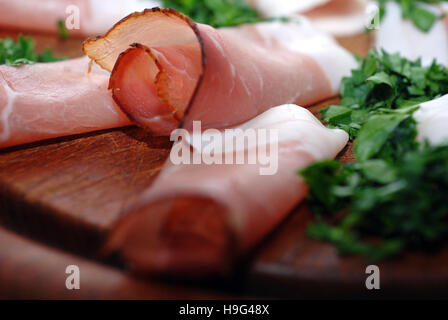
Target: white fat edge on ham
(338, 25)
(299, 35)
(6, 110)
(292, 123)
(105, 12)
(275, 8)
(432, 119)
(402, 36)
(345, 25)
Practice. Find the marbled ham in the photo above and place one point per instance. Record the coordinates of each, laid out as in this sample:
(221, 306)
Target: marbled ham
(179, 71)
(49, 100)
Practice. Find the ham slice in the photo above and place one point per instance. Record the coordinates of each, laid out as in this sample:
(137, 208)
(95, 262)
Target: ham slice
(197, 219)
(49, 100)
(402, 36)
(178, 71)
(338, 17)
(96, 16)
(432, 117)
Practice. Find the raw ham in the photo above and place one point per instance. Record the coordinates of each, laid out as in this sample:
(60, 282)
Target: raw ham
(179, 71)
(398, 35)
(48, 100)
(96, 16)
(338, 17)
(196, 219)
(432, 118)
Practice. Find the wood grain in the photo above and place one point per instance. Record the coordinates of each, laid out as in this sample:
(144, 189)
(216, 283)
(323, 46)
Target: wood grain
(68, 193)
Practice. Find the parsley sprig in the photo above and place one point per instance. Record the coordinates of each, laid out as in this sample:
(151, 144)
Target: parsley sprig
(22, 52)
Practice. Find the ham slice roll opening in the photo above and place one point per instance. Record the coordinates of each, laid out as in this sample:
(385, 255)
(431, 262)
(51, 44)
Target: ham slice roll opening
(198, 219)
(177, 235)
(154, 80)
(167, 70)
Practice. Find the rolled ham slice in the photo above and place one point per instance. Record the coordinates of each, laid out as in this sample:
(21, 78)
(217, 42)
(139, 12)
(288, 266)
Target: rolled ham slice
(432, 119)
(177, 71)
(396, 35)
(49, 100)
(197, 219)
(338, 17)
(95, 16)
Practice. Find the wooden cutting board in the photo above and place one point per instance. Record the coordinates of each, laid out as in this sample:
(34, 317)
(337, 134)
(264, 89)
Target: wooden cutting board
(68, 192)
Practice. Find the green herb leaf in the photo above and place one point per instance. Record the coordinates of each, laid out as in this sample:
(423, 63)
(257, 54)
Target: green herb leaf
(22, 52)
(374, 135)
(423, 19)
(412, 9)
(62, 30)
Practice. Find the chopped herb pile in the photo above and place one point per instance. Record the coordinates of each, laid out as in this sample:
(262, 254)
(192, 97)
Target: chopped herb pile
(401, 205)
(217, 13)
(422, 18)
(22, 52)
(394, 197)
(384, 84)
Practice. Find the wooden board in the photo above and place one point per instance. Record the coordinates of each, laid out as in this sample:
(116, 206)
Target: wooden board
(30, 270)
(68, 192)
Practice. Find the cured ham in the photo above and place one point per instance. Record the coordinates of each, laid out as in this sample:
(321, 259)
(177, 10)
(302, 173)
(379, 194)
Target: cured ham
(432, 117)
(95, 16)
(338, 17)
(398, 35)
(177, 71)
(196, 219)
(49, 100)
